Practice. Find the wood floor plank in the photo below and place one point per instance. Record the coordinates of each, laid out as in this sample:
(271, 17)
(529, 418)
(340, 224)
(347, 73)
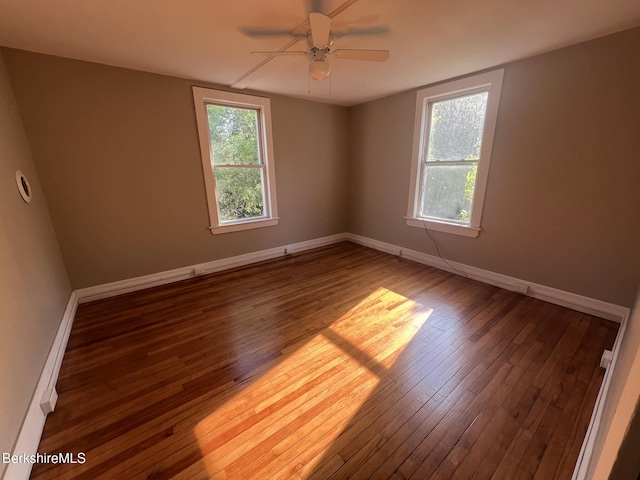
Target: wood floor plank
(340, 362)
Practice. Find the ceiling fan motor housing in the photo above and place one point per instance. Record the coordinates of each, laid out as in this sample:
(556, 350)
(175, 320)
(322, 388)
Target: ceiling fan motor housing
(313, 48)
(319, 67)
(320, 40)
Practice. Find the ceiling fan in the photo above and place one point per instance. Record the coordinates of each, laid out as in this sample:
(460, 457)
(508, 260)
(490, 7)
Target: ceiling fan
(320, 39)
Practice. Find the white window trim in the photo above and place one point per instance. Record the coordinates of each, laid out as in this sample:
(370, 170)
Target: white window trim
(490, 82)
(201, 98)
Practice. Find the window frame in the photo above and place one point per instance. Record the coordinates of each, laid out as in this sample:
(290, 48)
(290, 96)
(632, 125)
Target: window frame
(262, 105)
(490, 82)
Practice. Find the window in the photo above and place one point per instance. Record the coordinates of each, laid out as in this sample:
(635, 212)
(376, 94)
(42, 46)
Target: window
(452, 143)
(237, 159)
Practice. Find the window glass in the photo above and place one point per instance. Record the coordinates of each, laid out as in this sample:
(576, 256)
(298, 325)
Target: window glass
(239, 193)
(234, 135)
(456, 128)
(455, 140)
(448, 191)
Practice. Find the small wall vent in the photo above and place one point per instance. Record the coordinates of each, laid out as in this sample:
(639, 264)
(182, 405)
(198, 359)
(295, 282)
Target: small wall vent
(23, 186)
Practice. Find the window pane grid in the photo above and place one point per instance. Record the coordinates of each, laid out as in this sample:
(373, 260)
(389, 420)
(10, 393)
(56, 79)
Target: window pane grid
(452, 149)
(236, 160)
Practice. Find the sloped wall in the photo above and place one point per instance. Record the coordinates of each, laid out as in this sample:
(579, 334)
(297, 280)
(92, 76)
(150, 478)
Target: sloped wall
(34, 288)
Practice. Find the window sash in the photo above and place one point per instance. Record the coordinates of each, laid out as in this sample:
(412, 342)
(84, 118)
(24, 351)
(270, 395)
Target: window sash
(490, 82)
(423, 190)
(230, 167)
(259, 132)
(427, 163)
(204, 97)
(451, 162)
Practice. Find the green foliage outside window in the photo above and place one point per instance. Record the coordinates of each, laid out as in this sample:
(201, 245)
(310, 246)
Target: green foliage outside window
(469, 187)
(239, 193)
(236, 162)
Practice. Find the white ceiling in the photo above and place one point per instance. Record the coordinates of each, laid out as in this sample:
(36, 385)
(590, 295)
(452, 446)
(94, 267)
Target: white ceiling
(429, 40)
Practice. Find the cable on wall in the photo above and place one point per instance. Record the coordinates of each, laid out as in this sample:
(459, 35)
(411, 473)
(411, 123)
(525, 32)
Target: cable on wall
(435, 243)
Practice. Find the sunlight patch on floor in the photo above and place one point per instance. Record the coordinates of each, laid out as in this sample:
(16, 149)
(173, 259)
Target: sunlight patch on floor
(280, 425)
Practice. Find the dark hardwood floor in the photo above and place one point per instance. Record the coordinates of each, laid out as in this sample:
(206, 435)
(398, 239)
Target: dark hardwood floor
(341, 362)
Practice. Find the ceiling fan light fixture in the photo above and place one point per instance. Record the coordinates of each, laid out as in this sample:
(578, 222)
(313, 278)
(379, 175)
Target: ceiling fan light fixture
(319, 69)
(320, 44)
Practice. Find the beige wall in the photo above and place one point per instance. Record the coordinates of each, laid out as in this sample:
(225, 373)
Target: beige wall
(34, 288)
(118, 154)
(117, 151)
(562, 195)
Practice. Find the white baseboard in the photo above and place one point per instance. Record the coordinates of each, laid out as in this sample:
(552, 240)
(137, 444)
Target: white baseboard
(33, 424)
(162, 278)
(574, 301)
(581, 469)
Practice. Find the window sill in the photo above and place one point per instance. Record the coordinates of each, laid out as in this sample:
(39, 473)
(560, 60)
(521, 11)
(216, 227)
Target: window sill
(246, 225)
(454, 228)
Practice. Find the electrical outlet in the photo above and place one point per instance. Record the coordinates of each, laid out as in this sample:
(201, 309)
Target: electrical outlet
(606, 359)
(48, 401)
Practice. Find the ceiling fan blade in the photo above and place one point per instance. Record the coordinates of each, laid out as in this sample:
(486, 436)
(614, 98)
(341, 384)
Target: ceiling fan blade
(270, 32)
(320, 26)
(351, 31)
(282, 53)
(364, 20)
(367, 55)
